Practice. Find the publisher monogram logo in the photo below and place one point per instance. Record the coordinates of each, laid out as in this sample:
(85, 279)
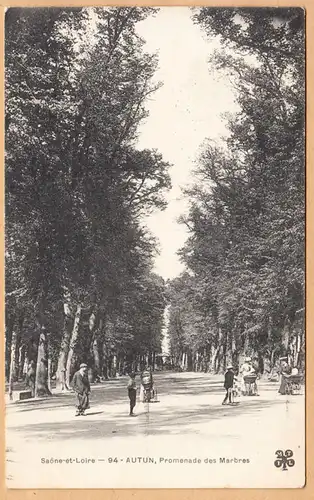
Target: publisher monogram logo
(284, 459)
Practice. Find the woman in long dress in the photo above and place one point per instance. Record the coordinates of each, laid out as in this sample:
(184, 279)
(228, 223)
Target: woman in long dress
(245, 370)
(285, 373)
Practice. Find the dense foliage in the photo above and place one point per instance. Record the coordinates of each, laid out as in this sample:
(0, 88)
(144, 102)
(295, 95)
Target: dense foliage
(244, 290)
(79, 280)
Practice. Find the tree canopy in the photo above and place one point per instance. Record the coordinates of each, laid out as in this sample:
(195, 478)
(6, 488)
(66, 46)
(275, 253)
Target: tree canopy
(79, 258)
(245, 252)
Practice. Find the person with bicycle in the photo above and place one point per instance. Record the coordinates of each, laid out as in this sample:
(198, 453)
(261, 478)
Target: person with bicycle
(147, 383)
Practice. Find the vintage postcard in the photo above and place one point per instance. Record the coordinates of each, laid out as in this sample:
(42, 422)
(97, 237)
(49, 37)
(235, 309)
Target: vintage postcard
(155, 247)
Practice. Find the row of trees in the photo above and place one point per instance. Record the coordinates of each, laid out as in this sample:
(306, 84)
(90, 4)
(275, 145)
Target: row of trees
(243, 291)
(79, 279)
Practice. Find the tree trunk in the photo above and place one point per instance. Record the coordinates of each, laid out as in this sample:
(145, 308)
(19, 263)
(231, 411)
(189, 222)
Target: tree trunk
(91, 329)
(114, 366)
(270, 329)
(195, 362)
(182, 364)
(64, 350)
(225, 350)
(206, 362)
(234, 350)
(95, 348)
(297, 360)
(246, 345)
(105, 361)
(41, 381)
(17, 355)
(261, 363)
(220, 358)
(272, 359)
(213, 355)
(12, 362)
(25, 364)
(49, 364)
(96, 356)
(189, 361)
(21, 362)
(216, 352)
(8, 341)
(14, 371)
(74, 337)
(109, 365)
(286, 334)
(84, 341)
(154, 360)
(49, 373)
(119, 364)
(15, 351)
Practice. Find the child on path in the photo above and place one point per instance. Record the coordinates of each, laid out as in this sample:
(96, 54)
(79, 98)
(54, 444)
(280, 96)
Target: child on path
(132, 392)
(228, 384)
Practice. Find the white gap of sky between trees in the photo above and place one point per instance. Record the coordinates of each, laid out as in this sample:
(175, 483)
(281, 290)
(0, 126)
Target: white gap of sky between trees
(185, 111)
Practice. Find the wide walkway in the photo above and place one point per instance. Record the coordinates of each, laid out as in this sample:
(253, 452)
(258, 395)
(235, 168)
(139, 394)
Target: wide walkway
(230, 446)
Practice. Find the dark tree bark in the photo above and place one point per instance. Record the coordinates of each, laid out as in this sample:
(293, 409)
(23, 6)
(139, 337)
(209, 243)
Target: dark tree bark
(74, 339)
(64, 349)
(41, 381)
(12, 362)
(22, 355)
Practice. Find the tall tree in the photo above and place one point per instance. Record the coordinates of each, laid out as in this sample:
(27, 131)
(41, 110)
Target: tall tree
(246, 248)
(76, 185)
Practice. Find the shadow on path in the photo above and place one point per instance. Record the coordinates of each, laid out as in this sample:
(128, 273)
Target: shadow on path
(158, 422)
(114, 391)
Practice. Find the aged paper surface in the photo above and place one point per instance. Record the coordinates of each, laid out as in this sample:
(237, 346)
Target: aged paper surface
(184, 437)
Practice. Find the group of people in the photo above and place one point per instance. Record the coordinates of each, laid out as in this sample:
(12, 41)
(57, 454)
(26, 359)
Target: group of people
(146, 380)
(81, 387)
(248, 370)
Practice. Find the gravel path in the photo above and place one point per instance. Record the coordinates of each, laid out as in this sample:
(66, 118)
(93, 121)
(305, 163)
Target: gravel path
(187, 439)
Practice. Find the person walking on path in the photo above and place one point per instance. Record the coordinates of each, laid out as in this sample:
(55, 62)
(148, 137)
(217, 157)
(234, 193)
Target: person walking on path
(285, 373)
(132, 392)
(228, 384)
(245, 370)
(256, 370)
(81, 387)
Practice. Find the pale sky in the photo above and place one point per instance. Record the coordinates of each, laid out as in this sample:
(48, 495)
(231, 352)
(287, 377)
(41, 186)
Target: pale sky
(185, 111)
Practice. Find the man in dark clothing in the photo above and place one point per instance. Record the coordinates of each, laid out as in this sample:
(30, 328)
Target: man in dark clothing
(132, 392)
(81, 387)
(229, 377)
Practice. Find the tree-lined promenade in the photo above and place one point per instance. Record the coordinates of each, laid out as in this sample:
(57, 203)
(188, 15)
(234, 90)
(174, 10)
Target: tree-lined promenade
(80, 280)
(188, 422)
(243, 291)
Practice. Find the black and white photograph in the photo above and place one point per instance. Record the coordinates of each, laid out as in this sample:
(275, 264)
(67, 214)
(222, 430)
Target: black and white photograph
(155, 247)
